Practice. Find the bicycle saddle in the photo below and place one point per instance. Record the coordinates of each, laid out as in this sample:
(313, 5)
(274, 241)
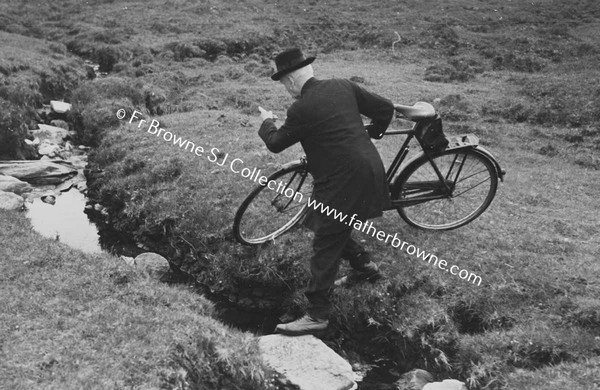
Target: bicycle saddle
(416, 112)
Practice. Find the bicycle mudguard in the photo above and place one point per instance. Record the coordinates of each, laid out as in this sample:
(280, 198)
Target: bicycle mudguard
(472, 141)
(488, 154)
(464, 141)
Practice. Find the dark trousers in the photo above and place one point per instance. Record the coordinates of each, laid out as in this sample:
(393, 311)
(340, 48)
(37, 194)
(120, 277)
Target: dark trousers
(329, 249)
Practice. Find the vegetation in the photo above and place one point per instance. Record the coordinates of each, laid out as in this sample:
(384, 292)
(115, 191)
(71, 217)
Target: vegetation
(71, 320)
(522, 76)
(31, 72)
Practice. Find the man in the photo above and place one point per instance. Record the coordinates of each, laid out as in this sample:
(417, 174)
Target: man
(347, 170)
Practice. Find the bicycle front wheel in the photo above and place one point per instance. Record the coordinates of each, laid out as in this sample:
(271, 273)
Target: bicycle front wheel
(470, 183)
(273, 209)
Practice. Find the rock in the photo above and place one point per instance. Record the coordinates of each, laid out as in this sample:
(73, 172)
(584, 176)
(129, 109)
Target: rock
(49, 197)
(66, 186)
(60, 123)
(414, 380)
(10, 201)
(59, 107)
(35, 142)
(422, 380)
(14, 185)
(153, 264)
(37, 172)
(49, 149)
(64, 154)
(446, 384)
(79, 162)
(305, 361)
(53, 134)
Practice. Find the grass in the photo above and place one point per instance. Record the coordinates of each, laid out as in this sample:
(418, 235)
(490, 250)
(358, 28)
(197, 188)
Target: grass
(32, 72)
(70, 320)
(522, 76)
(529, 228)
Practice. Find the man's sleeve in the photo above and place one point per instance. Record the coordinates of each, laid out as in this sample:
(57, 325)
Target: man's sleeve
(287, 135)
(379, 109)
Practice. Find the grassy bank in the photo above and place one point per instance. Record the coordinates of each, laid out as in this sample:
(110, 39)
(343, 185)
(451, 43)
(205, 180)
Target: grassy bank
(522, 76)
(70, 320)
(32, 72)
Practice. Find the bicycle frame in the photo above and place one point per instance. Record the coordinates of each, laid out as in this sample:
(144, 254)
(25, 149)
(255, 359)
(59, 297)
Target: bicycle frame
(430, 190)
(412, 189)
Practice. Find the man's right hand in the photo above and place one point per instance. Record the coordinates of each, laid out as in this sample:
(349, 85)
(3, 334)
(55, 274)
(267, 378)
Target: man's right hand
(374, 131)
(264, 114)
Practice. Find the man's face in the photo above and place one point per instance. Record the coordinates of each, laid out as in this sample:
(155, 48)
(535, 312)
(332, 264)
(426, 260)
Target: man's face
(289, 84)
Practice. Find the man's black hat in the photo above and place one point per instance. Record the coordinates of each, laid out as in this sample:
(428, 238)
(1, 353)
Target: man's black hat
(290, 60)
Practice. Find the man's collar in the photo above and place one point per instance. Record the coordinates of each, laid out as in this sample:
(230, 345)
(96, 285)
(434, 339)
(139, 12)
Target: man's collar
(307, 85)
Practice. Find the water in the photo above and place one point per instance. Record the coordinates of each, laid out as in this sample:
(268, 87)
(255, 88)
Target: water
(65, 221)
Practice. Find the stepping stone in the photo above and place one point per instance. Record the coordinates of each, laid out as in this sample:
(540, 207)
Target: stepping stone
(305, 361)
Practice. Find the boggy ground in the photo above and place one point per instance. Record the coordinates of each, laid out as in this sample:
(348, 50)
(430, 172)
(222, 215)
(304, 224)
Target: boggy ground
(520, 76)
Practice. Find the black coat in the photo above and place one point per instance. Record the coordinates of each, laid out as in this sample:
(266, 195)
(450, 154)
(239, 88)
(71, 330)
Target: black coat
(348, 172)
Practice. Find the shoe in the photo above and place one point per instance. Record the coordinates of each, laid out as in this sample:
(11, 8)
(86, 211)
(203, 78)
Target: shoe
(304, 325)
(367, 273)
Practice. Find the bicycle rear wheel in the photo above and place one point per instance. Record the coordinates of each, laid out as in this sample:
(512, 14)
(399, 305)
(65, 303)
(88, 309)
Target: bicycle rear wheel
(471, 177)
(273, 209)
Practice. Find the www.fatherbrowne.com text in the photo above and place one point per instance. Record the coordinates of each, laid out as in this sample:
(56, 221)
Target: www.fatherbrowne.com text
(236, 165)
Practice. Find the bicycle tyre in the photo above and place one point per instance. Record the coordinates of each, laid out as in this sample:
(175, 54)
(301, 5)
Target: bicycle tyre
(266, 214)
(446, 214)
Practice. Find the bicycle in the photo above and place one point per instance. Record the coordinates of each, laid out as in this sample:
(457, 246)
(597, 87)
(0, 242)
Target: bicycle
(451, 182)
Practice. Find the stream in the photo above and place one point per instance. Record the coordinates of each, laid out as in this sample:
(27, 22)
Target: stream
(65, 221)
(58, 213)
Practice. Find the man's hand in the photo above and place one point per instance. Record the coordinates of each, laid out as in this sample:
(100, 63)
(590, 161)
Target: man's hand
(264, 114)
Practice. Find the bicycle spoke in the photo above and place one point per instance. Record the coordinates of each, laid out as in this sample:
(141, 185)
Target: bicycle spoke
(266, 214)
(472, 187)
(469, 176)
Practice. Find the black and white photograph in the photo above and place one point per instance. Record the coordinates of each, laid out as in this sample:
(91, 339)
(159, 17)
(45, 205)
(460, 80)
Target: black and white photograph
(300, 194)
